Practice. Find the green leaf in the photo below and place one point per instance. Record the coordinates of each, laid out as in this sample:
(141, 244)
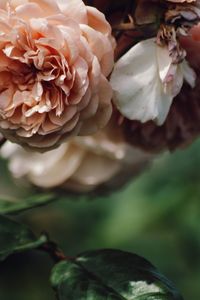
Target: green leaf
(16, 237)
(111, 275)
(11, 207)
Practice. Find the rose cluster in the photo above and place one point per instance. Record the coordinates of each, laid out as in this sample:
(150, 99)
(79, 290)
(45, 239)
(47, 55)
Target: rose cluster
(101, 90)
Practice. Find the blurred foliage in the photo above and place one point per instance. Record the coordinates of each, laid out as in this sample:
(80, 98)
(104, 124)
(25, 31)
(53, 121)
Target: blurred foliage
(17, 238)
(157, 216)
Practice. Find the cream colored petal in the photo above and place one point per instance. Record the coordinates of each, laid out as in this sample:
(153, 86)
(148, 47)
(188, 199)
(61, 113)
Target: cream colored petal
(23, 162)
(175, 84)
(61, 171)
(138, 91)
(95, 170)
(18, 165)
(101, 144)
(188, 73)
(9, 149)
(164, 62)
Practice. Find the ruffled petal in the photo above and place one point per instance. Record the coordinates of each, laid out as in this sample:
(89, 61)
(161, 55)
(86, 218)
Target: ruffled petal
(51, 73)
(75, 9)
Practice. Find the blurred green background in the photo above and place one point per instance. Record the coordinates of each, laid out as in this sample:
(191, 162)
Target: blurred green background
(156, 216)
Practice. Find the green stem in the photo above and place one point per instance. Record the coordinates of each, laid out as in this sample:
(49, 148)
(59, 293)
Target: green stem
(34, 245)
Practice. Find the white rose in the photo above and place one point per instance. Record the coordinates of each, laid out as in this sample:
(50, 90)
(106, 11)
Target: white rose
(81, 164)
(145, 81)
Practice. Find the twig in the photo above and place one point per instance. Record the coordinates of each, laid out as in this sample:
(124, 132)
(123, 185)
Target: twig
(126, 26)
(55, 252)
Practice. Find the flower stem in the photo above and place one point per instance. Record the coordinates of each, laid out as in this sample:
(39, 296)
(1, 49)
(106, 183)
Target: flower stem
(55, 252)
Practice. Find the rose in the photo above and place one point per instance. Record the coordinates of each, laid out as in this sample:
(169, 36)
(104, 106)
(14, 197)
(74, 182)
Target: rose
(156, 83)
(148, 77)
(81, 164)
(54, 60)
(182, 125)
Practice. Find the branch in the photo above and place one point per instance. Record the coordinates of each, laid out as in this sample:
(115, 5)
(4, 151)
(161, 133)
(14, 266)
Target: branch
(55, 252)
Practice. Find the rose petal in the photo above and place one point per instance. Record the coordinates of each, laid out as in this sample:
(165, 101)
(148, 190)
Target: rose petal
(74, 9)
(145, 82)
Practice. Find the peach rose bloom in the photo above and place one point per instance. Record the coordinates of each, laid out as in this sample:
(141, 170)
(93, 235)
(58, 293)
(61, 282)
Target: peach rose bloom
(55, 57)
(83, 164)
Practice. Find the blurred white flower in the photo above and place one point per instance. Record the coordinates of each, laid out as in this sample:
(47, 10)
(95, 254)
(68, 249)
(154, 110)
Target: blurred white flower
(145, 81)
(81, 164)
